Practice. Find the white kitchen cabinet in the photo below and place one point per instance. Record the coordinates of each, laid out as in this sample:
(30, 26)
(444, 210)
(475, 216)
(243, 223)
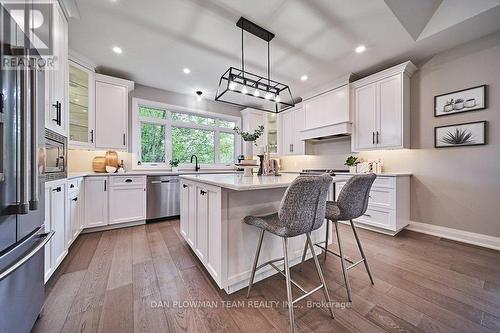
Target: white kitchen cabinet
(201, 223)
(187, 197)
(74, 215)
(81, 106)
(291, 125)
(55, 220)
(252, 119)
(381, 109)
(111, 112)
(388, 204)
(56, 78)
(127, 199)
(96, 201)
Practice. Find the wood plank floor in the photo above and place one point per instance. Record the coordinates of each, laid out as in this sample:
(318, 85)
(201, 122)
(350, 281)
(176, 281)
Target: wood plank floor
(113, 281)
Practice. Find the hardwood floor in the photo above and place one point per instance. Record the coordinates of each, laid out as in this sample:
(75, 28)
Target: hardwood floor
(146, 279)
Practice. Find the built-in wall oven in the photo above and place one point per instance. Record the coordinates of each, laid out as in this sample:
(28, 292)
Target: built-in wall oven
(55, 155)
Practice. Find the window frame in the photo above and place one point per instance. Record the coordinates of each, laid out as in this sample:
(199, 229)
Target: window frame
(137, 121)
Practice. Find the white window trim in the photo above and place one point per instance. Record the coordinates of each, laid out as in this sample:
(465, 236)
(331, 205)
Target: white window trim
(169, 123)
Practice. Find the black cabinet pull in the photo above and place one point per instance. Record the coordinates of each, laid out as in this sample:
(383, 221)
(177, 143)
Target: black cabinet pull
(124, 139)
(105, 185)
(57, 189)
(377, 137)
(373, 137)
(58, 113)
(184, 185)
(75, 199)
(92, 136)
(72, 185)
(203, 192)
(128, 181)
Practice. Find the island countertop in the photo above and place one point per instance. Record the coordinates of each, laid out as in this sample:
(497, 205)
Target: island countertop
(238, 182)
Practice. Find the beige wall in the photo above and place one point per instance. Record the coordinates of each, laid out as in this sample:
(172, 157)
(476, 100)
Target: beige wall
(453, 187)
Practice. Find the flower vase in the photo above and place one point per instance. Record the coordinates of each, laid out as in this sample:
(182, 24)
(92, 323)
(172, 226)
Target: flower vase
(352, 169)
(248, 150)
(175, 169)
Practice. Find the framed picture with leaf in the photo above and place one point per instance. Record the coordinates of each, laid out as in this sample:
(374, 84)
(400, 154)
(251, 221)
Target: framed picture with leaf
(459, 135)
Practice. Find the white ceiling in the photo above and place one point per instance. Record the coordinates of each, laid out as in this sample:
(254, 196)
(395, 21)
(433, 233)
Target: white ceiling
(314, 37)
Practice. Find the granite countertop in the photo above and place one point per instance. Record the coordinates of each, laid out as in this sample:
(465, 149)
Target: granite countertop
(73, 175)
(238, 182)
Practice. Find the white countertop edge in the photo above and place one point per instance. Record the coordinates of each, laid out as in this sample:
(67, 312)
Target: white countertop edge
(383, 174)
(238, 187)
(73, 175)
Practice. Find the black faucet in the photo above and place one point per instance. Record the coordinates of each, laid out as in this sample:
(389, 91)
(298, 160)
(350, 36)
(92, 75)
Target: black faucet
(196, 166)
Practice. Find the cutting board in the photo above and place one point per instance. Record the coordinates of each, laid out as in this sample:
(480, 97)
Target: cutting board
(99, 164)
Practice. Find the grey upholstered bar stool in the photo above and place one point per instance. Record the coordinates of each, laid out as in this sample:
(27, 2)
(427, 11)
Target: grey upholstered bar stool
(302, 210)
(351, 203)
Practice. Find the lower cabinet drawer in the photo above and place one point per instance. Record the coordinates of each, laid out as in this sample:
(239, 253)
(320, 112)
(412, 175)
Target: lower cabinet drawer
(379, 218)
(126, 180)
(382, 197)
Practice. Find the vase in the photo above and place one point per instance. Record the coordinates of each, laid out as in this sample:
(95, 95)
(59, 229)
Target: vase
(175, 169)
(352, 169)
(248, 150)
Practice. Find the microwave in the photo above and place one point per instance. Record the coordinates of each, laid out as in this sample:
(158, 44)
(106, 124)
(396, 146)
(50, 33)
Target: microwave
(55, 156)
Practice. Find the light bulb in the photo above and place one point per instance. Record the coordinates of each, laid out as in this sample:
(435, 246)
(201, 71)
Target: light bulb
(244, 90)
(256, 93)
(268, 95)
(232, 85)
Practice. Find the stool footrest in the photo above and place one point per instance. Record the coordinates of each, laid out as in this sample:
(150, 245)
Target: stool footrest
(334, 253)
(309, 293)
(355, 264)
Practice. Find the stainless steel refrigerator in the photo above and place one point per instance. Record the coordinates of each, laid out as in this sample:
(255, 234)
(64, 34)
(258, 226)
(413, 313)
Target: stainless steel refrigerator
(22, 234)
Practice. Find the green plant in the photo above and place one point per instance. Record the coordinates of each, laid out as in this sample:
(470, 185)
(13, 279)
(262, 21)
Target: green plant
(174, 163)
(250, 136)
(351, 161)
(458, 137)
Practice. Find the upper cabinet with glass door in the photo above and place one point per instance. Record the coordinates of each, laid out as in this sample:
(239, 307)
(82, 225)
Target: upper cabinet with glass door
(81, 110)
(253, 118)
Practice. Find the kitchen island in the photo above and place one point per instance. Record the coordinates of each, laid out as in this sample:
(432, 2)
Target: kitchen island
(212, 211)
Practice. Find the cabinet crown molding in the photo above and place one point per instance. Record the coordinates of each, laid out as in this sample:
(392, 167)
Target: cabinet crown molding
(407, 68)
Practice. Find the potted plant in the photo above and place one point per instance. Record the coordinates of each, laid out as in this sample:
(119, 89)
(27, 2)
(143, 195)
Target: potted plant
(250, 139)
(174, 164)
(351, 162)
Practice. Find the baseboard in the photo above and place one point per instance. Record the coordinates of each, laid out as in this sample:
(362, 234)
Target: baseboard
(113, 226)
(468, 237)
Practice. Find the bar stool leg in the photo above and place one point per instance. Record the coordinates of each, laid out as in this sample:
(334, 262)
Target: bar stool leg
(326, 237)
(255, 261)
(361, 251)
(343, 263)
(320, 275)
(288, 286)
(304, 253)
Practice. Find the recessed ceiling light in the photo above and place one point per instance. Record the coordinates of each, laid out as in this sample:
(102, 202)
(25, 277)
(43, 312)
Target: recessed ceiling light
(198, 95)
(186, 70)
(117, 50)
(303, 78)
(360, 49)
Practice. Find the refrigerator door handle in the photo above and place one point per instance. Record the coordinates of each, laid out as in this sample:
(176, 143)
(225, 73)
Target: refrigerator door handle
(33, 203)
(44, 238)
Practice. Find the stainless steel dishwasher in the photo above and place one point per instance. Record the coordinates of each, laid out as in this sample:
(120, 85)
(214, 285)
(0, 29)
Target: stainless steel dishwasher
(163, 197)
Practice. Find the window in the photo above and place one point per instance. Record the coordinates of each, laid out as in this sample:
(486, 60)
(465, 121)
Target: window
(164, 132)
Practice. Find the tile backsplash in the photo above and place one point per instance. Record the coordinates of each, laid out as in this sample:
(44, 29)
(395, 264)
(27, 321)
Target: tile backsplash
(81, 160)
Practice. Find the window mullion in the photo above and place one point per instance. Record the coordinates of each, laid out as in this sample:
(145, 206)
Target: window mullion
(217, 146)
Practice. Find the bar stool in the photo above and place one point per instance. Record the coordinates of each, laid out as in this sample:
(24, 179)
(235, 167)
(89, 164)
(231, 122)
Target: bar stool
(351, 203)
(302, 210)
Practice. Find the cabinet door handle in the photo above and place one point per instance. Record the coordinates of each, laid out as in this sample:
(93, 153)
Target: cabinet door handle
(367, 215)
(57, 189)
(373, 137)
(105, 185)
(378, 141)
(75, 199)
(203, 192)
(292, 147)
(72, 185)
(128, 181)
(184, 185)
(124, 139)
(91, 136)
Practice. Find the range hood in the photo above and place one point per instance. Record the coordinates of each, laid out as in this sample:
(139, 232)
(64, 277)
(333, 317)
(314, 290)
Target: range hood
(327, 115)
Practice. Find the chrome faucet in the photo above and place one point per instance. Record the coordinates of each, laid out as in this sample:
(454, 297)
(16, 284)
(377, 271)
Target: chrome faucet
(196, 166)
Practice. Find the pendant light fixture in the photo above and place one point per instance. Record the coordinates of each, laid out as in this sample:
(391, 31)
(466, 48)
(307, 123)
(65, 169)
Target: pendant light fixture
(240, 87)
